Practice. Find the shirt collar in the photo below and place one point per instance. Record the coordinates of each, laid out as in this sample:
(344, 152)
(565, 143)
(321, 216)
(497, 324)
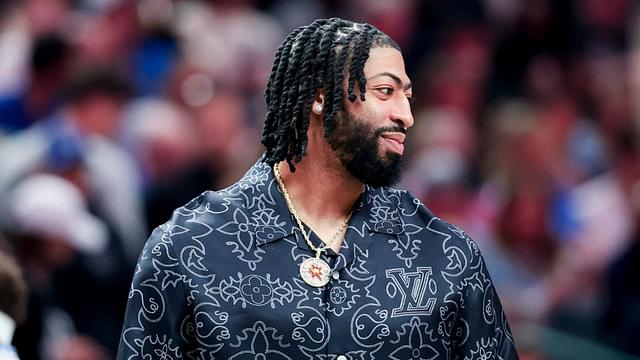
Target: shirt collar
(377, 210)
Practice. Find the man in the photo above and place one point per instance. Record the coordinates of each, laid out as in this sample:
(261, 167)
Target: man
(310, 255)
(51, 229)
(48, 70)
(78, 143)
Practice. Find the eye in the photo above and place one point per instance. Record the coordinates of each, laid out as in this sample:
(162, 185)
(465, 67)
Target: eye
(387, 90)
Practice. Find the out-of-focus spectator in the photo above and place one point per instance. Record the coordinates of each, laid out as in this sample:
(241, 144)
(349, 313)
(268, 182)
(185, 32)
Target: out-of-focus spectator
(158, 50)
(621, 318)
(621, 290)
(48, 207)
(161, 135)
(107, 34)
(526, 120)
(46, 16)
(21, 23)
(14, 40)
(442, 150)
(13, 303)
(48, 69)
(221, 39)
(223, 132)
(51, 227)
(154, 60)
(164, 139)
(184, 152)
(79, 143)
(89, 117)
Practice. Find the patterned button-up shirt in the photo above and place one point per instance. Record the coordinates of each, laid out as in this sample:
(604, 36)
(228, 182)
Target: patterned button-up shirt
(220, 280)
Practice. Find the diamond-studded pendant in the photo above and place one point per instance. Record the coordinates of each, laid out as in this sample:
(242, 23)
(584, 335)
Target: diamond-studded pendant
(315, 272)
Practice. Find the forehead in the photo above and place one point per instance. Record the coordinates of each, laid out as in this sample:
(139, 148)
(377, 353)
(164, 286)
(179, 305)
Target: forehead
(385, 60)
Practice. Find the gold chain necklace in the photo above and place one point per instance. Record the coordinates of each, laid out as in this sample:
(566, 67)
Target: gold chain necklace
(314, 271)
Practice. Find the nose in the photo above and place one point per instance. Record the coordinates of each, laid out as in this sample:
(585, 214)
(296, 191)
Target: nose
(402, 113)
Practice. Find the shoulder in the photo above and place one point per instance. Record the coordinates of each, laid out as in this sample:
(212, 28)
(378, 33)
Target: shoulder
(180, 243)
(401, 201)
(199, 216)
(416, 218)
(212, 212)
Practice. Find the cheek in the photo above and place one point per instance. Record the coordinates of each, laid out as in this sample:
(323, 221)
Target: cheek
(373, 111)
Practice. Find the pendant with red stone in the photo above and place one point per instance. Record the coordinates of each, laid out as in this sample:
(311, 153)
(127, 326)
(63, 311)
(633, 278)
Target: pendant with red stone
(315, 272)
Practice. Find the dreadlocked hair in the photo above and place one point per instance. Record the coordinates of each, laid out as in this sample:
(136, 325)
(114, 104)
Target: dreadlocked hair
(313, 57)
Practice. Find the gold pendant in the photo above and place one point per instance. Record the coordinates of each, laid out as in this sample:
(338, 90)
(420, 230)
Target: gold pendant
(315, 272)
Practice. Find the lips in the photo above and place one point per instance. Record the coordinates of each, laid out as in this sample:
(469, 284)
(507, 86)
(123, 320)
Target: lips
(395, 141)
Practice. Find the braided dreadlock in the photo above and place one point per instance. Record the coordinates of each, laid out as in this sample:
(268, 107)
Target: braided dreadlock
(315, 56)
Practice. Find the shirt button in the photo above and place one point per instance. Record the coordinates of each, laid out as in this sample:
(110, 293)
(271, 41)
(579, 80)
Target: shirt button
(341, 357)
(335, 275)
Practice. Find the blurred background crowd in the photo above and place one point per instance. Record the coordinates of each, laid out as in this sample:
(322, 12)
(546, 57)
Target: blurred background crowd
(115, 112)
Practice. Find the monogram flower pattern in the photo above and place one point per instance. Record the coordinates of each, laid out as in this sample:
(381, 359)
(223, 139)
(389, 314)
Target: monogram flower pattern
(415, 338)
(256, 290)
(220, 281)
(259, 343)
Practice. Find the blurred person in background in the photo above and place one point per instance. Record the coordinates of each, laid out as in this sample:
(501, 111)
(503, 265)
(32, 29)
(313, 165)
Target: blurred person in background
(165, 141)
(22, 23)
(79, 143)
(88, 120)
(563, 68)
(176, 170)
(220, 38)
(224, 134)
(13, 303)
(108, 34)
(48, 69)
(438, 167)
(51, 227)
(236, 273)
(621, 315)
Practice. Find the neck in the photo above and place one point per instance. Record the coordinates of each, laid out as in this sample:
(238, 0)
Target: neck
(321, 191)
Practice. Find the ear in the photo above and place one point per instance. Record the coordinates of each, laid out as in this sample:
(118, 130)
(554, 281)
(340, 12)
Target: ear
(318, 103)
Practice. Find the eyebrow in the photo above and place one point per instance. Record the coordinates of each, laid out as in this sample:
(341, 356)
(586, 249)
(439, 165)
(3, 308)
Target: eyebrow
(395, 78)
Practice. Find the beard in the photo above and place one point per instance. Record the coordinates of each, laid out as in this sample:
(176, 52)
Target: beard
(357, 145)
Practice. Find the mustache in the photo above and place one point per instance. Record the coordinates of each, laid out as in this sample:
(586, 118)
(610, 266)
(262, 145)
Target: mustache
(386, 129)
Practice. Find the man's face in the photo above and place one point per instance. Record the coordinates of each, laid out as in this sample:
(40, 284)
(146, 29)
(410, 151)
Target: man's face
(369, 135)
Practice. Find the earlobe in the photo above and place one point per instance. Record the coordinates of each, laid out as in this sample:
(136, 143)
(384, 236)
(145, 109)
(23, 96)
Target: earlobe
(318, 104)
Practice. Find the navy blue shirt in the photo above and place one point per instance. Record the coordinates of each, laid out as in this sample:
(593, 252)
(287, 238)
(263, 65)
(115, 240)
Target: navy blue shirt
(220, 281)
